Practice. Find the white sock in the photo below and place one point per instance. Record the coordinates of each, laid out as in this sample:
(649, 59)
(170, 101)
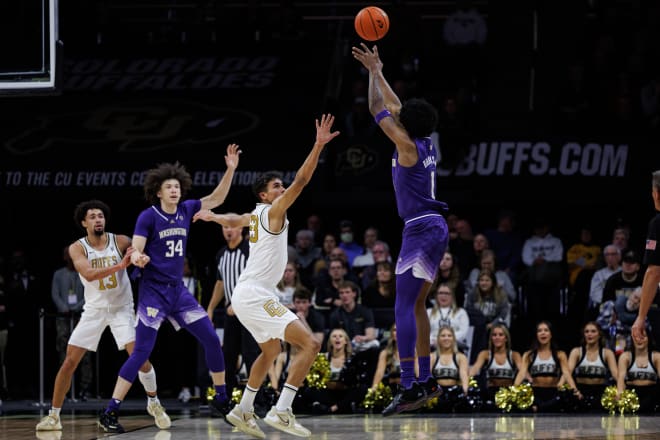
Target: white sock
(286, 397)
(247, 401)
(55, 412)
(152, 399)
(148, 380)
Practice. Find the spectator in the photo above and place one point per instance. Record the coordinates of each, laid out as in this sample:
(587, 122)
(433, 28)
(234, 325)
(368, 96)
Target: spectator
(582, 258)
(312, 318)
(381, 253)
(326, 295)
(356, 319)
(367, 258)
(347, 241)
(329, 244)
(543, 254)
(445, 311)
(315, 225)
(449, 273)
(507, 243)
(306, 256)
(626, 280)
(490, 299)
(617, 317)
(488, 262)
(289, 283)
(463, 246)
(382, 291)
(612, 256)
(621, 238)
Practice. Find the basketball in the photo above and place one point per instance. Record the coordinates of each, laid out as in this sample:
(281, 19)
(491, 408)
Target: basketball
(372, 23)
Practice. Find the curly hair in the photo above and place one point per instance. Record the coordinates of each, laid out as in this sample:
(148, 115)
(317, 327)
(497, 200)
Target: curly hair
(80, 212)
(418, 117)
(165, 171)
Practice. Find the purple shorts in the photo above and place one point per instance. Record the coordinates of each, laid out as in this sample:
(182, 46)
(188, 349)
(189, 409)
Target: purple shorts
(173, 301)
(423, 245)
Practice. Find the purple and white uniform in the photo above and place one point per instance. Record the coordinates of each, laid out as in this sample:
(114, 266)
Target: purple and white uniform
(162, 293)
(425, 234)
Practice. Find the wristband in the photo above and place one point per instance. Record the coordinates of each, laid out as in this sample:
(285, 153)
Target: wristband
(382, 115)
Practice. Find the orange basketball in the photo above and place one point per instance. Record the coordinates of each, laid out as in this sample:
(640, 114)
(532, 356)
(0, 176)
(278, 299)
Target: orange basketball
(372, 23)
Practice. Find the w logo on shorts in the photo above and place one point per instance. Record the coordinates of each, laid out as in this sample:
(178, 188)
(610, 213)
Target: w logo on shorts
(151, 312)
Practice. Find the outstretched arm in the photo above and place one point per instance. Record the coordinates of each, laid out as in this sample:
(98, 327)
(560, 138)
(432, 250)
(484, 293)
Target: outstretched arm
(382, 96)
(217, 197)
(382, 100)
(229, 219)
(304, 174)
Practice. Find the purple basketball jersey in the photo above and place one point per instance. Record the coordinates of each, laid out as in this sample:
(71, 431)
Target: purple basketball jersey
(414, 186)
(167, 237)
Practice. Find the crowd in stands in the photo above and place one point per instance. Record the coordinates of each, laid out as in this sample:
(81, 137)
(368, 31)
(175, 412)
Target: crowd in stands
(484, 317)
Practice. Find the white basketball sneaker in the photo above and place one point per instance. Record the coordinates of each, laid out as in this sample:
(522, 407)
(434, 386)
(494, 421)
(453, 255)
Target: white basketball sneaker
(49, 423)
(245, 422)
(156, 410)
(286, 421)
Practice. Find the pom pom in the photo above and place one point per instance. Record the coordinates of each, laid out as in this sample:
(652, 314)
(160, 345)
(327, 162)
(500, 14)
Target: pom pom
(319, 373)
(236, 395)
(378, 397)
(504, 398)
(608, 399)
(210, 393)
(523, 396)
(518, 396)
(628, 402)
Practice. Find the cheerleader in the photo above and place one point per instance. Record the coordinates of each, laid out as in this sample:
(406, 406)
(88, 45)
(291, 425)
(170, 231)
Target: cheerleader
(499, 363)
(638, 370)
(593, 366)
(450, 368)
(544, 365)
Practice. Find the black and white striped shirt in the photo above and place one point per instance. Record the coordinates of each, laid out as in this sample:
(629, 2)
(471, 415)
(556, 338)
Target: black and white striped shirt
(230, 263)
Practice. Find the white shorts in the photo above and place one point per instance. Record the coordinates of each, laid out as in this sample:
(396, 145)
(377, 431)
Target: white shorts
(260, 311)
(93, 322)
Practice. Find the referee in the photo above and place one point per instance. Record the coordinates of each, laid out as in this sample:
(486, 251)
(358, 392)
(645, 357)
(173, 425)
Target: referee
(237, 340)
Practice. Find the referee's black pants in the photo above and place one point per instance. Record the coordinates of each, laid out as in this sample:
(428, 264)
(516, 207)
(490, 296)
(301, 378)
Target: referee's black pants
(237, 341)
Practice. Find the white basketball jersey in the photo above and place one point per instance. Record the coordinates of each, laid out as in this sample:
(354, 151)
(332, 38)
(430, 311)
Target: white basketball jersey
(268, 250)
(112, 291)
